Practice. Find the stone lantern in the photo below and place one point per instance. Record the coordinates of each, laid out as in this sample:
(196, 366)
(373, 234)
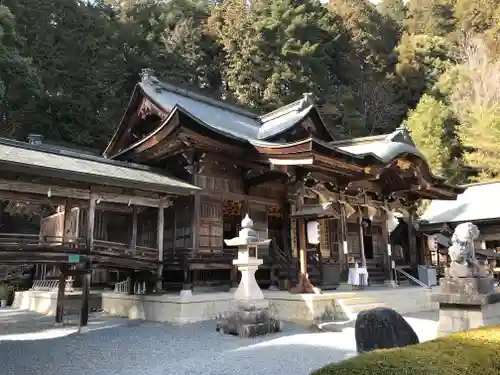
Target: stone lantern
(251, 316)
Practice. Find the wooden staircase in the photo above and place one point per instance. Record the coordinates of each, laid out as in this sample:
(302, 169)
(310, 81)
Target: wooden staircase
(284, 266)
(376, 271)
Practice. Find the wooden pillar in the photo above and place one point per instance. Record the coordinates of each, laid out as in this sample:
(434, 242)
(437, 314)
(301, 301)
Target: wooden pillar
(60, 296)
(342, 233)
(66, 222)
(234, 277)
(412, 243)
(91, 222)
(302, 247)
(160, 231)
(387, 242)
(84, 313)
(361, 239)
(87, 275)
(285, 226)
(187, 283)
(133, 234)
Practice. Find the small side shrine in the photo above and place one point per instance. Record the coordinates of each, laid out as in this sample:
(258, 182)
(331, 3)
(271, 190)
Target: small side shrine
(251, 317)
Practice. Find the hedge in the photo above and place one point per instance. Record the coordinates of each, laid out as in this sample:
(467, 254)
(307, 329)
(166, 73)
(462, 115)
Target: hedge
(474, 352)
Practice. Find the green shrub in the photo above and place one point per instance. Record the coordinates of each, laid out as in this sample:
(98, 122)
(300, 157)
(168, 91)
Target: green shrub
(470, 352)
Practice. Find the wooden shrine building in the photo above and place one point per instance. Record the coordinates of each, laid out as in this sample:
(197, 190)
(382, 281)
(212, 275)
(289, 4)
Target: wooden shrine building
(285, 169)
(94, 213)
(474, 205)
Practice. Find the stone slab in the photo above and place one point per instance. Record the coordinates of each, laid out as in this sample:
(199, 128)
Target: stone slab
(465, 299)
(466, 285)
(456, 318)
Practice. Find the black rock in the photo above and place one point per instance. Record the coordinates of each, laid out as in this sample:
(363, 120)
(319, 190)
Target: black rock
(382, 328)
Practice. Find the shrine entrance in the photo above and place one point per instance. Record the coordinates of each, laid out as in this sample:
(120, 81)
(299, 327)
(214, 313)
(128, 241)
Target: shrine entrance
(367, 238)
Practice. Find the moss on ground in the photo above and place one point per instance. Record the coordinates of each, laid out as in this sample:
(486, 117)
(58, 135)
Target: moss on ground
(470, 352)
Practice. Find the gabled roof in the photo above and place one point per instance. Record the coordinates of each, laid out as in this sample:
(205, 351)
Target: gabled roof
(73, 165)
(477, 202)
(383, 147)
(230, 120)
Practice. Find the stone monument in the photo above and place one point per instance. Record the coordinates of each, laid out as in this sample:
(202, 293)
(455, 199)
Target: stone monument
(251, 316)
(382, 328)
(467, 298)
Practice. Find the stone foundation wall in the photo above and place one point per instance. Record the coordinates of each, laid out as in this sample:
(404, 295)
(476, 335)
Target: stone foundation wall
(46, 302)
(304, 309)
(168, 309)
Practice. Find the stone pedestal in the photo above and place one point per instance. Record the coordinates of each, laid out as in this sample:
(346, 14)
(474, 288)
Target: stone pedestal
(251, 317)
(466, 303)
(249, 321)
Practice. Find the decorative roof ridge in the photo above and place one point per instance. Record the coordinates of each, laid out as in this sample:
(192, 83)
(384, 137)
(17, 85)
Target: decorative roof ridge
(75, 154)
(474, 184)
(401, 135)
(359, 140)
(298, 105)
(153, 81)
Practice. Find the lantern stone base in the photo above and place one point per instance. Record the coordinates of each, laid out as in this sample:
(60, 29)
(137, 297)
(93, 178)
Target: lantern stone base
(466, 303)
(250, 320)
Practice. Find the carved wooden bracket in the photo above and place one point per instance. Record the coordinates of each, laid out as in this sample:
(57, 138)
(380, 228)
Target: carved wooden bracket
(194, 161)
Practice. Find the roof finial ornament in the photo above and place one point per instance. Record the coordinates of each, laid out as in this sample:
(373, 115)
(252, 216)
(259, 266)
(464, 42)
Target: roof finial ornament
(307, 100)
(401, 134)
(146, 74)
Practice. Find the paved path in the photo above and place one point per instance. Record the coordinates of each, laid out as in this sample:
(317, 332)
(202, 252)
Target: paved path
(29, 344)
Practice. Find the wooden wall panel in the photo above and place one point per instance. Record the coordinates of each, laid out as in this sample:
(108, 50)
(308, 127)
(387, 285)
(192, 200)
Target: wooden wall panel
(169, 229)
(52, 225)
(379, 245)
(147, 228)
(184, 209)
(334, 240)
(258, 213)
(210, 229)
(353, 241)
(325, 242)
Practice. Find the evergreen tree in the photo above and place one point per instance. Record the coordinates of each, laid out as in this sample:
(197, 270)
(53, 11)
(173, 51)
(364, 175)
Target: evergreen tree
(277, 51)
(422, 59)
(20, 86)
(432, 125)
(430, 17)
(394, 9)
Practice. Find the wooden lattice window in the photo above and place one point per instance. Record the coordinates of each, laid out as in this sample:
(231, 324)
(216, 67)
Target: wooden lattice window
(210, 226)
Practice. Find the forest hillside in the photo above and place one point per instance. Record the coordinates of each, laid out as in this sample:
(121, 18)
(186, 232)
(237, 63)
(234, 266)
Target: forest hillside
(68, 67)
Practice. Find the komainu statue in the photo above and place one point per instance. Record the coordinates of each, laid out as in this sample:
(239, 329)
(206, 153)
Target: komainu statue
(462, 254)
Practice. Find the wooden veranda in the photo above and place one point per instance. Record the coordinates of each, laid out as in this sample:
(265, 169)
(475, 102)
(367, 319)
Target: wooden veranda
(77, 198)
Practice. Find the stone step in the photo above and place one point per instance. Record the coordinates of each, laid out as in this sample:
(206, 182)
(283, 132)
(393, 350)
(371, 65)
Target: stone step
(358, 300)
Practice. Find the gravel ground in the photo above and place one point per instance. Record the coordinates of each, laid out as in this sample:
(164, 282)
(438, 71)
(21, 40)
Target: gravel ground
(29, 344)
